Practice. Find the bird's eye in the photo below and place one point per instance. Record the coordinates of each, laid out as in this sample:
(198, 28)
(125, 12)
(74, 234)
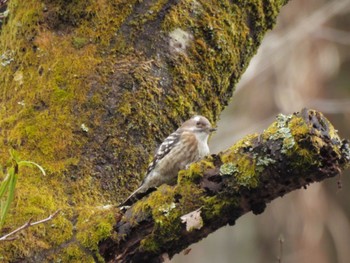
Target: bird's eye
(198, 123)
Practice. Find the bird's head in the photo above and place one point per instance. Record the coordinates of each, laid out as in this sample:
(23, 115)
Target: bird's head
(198, 124)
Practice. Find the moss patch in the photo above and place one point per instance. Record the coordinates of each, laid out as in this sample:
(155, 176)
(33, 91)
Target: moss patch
(93, 226)
(81, 64)
(74, 253)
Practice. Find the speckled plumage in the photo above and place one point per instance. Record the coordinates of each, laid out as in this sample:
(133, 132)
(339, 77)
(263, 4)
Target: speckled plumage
(187, 144)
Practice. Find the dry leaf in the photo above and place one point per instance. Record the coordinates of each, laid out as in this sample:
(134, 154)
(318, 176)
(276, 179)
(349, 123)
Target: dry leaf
(193, 220)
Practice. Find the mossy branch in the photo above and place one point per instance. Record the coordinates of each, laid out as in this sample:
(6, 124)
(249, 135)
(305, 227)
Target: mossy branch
(293, 152)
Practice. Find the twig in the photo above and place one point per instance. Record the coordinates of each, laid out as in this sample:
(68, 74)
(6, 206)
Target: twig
(26, 225)
(281, 240)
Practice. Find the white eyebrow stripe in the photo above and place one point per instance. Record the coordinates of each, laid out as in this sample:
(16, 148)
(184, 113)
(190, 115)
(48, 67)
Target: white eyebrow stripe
(197, 118)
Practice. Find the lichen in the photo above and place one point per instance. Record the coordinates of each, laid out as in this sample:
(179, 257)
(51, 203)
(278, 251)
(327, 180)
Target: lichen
(346, 151)
(228, 169)
(283, 132)
(263, 162)
(241, 168)
(68, 64)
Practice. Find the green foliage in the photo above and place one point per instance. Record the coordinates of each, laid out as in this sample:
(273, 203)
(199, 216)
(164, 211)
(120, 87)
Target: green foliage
(8, 185)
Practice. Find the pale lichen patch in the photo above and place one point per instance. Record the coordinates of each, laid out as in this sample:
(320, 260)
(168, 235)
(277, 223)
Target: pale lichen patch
(179, 40)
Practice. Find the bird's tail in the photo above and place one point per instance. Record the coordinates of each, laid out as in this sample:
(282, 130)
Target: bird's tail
(136, 195)
(131, 199)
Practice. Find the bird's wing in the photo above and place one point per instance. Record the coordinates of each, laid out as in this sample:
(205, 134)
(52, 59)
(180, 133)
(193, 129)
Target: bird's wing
(164, 149)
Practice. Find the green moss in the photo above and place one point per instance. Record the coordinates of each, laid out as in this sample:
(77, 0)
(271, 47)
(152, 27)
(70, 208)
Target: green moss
(294, 131)
(42, 126)
(149, 14)
(74, 65)
(230, 156)
(217, 40)
(150, 244)
(75, 254)
(164, 196)
(247, 174)
(195, 170)
(60, 230)
(166, 216)
(214, 206)
(93, 226)
(298, 127)
(190, 192)
(79, 42)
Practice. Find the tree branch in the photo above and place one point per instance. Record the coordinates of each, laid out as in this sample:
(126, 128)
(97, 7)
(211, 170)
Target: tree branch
(8, 237)
(293, 152)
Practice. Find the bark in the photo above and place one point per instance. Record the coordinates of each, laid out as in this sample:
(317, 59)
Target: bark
(292, 153)
(90, 88)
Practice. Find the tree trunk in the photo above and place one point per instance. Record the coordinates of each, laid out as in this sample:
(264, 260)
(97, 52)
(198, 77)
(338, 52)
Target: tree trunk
(90, 88)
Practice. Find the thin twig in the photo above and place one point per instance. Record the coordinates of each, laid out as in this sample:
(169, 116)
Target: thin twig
(281, 240)
(26, 225)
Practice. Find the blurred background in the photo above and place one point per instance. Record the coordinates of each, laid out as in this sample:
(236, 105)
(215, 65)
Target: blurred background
(303, 62)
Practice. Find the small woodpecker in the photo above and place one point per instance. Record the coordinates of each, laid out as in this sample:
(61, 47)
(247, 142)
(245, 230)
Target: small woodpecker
(186, 145)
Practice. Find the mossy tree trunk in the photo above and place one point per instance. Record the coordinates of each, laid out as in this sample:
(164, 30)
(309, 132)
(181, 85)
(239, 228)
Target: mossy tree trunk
(90, 88)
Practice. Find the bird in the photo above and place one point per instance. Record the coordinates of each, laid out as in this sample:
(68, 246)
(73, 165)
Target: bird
(188, 144)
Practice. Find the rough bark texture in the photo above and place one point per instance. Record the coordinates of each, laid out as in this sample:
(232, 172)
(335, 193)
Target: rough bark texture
(293, 152)
(90, 88)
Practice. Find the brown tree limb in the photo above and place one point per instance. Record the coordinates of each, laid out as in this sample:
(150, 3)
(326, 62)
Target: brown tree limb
(292, 153)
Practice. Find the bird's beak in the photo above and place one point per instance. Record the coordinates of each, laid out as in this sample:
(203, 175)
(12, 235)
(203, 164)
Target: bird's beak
(212, 129)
